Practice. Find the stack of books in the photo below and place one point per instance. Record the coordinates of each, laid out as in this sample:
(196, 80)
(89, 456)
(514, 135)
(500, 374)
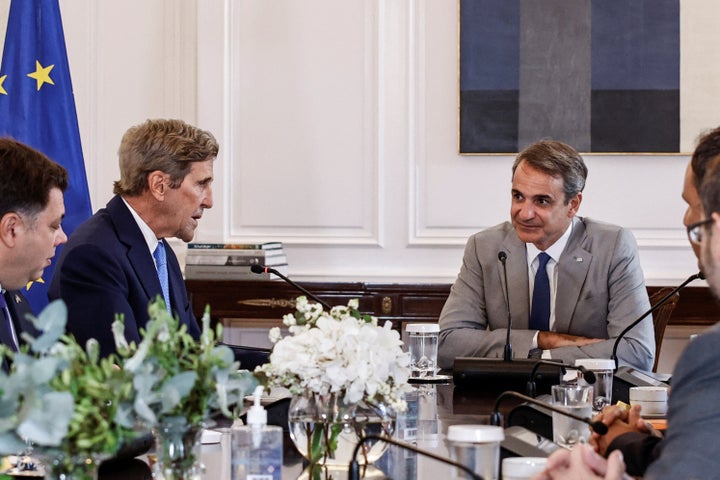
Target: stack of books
(232, 261)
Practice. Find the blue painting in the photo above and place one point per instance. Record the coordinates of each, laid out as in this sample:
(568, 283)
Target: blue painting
(601, 75)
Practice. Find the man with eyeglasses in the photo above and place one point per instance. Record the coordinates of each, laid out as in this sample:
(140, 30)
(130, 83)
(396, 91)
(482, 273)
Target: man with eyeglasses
(688, 449)
(695, 231)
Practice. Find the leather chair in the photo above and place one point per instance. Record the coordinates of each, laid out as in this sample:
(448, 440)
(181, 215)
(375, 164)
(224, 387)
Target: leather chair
(661, 317)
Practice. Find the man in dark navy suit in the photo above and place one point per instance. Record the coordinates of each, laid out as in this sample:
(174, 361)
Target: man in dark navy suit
(117, 261)
(31, 213)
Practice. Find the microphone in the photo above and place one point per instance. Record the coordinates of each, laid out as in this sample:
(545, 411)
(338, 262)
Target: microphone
(263, 269)
(699, 275)
(530, 390)
(354, 467)
(626, 377)
(496, 417)
(507, 354)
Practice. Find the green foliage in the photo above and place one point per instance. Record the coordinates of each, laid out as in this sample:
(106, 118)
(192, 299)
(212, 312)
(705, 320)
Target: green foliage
(70, 403)
(60, 396)
(174, 375)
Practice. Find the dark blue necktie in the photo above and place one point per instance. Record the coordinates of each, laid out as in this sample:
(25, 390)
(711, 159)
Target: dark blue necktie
(6, 330)
(161, 264)
(540, 312)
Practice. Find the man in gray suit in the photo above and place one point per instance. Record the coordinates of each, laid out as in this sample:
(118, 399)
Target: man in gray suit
(593, 285)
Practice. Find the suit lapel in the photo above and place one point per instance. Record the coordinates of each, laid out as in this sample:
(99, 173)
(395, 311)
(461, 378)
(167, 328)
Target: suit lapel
(518, 283)
(573, 269)
(19, 309)
(137, 250)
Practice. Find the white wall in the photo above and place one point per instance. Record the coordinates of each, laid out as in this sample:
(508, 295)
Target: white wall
(338, 124)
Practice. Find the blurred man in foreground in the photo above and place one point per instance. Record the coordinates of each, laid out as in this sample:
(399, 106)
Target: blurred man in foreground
(688, 449)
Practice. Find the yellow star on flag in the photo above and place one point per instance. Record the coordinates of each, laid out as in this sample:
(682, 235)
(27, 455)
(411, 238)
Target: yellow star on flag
(2, 80)
(29, 284)
(41, 74)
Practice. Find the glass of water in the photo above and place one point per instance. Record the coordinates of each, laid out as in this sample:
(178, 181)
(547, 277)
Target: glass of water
(602, 368)
(576, 400)
(423, 348)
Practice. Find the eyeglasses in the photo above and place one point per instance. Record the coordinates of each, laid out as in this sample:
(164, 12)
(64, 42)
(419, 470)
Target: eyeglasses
(695, 231)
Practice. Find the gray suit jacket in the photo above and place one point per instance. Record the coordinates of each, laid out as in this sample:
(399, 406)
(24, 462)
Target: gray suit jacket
(600, 290)
(689, 449)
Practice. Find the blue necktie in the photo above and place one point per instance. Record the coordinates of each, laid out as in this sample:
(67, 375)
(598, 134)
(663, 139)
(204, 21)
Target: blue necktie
(161, 263)
(6, 329)
(540, 312)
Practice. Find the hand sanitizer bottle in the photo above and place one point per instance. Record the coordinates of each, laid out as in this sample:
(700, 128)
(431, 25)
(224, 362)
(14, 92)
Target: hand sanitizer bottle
(257, 449)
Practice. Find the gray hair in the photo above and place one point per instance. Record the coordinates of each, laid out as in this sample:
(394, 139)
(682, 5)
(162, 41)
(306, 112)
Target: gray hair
(556, 159)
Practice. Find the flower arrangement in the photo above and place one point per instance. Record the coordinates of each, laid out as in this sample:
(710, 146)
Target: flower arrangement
(338, 352)
(337, 364)
(70, 404)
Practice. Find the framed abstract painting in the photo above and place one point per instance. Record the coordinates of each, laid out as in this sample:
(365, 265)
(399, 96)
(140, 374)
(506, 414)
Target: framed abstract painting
(601, 75)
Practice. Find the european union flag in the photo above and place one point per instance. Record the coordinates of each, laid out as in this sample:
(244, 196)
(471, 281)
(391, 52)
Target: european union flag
(37, 106)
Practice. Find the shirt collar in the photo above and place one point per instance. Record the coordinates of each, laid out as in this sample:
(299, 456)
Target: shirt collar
(147, 233)
(554, 250)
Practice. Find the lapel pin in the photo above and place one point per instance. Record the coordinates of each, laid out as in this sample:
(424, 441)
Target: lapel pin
(17, 298)
(578, 259)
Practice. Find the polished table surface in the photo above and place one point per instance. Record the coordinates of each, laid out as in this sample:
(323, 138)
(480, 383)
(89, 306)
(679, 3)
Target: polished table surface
(438, 406)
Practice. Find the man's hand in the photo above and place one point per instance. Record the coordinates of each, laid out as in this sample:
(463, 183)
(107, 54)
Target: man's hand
(550, 340)
(583, 463)
(619, 420)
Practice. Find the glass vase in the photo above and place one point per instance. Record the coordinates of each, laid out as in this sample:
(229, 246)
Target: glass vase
(177, 446)
(325, 430)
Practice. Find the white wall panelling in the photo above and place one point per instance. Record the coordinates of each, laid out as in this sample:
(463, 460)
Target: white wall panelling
(305, 160)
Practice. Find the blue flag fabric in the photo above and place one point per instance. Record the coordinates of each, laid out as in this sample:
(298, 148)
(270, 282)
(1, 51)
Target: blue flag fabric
(37, 107)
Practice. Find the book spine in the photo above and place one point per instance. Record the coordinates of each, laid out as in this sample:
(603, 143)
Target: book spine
(235, 253)
(235, 246)
(235, 260)
(227, 269)
(230, 276)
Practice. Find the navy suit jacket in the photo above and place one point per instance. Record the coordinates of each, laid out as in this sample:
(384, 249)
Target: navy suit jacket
(106, 269)
(19, 309)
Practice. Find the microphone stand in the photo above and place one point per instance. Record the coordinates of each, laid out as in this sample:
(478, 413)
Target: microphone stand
(500, 374)
(354, 467)
(667, 297)
(496, 417)
(263, 269)
(507, 352)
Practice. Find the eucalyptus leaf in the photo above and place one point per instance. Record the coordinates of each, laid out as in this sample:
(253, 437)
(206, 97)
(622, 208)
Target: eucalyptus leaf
(10, 444)
(7, 423)
(125, 416)
(144, 411)
(43, 370)
(176, 388)
(47, 424)
(51, 322)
